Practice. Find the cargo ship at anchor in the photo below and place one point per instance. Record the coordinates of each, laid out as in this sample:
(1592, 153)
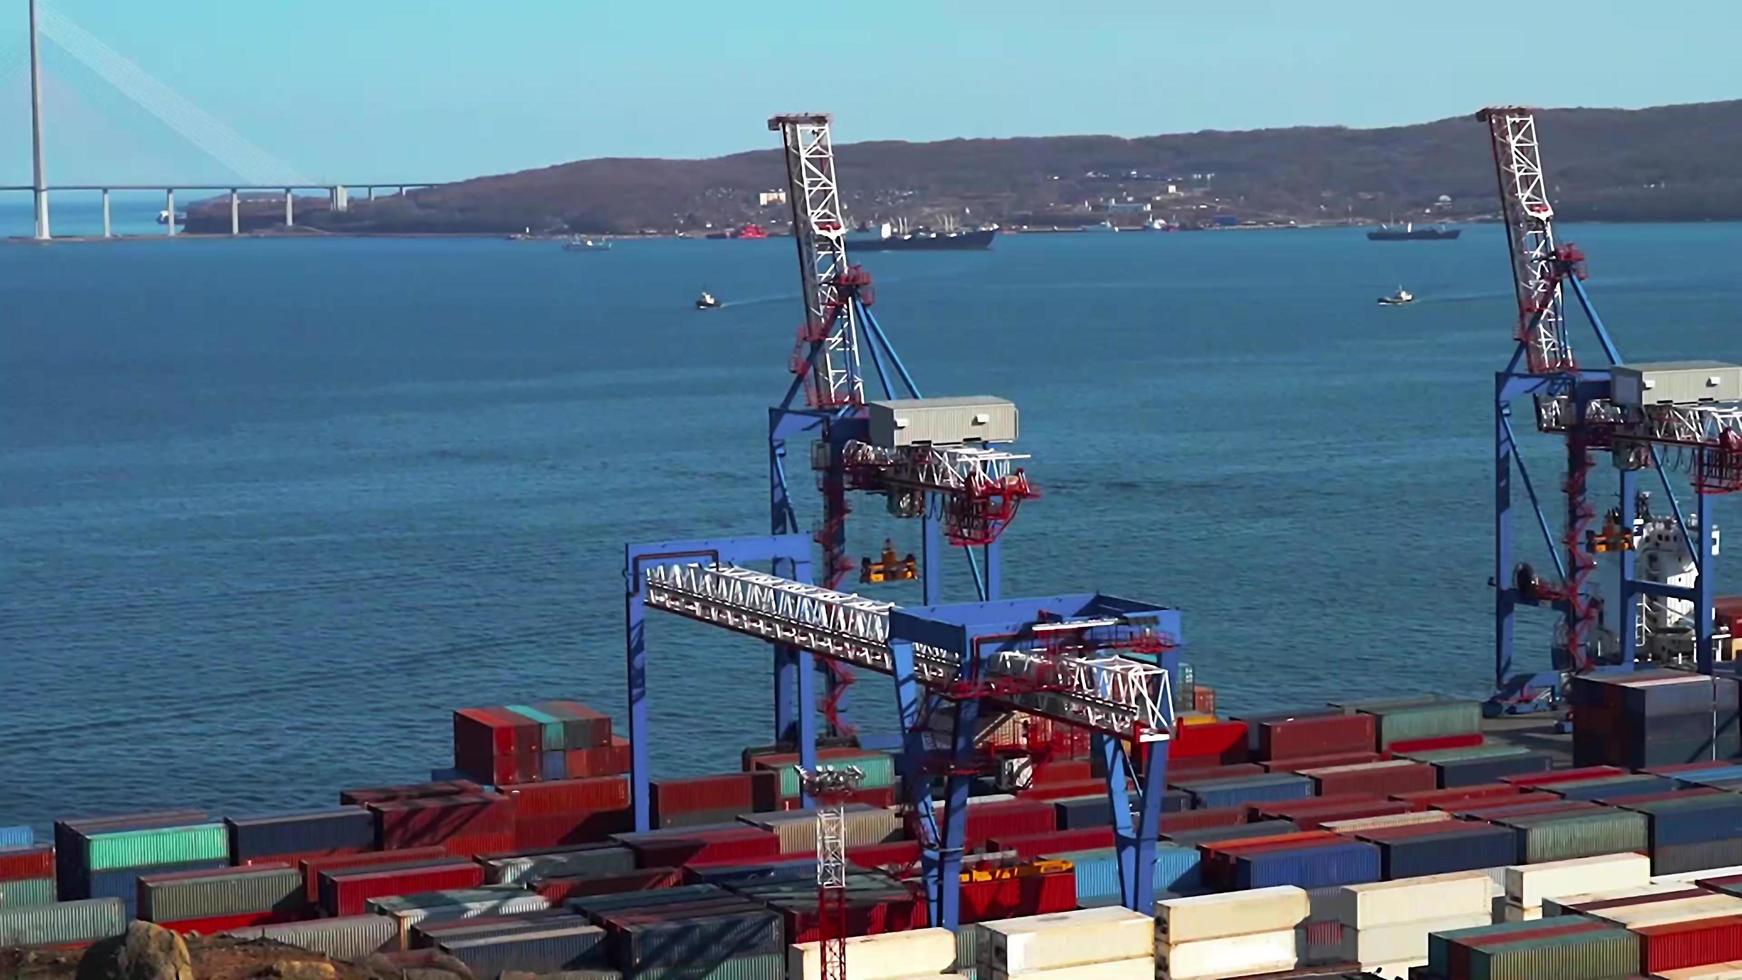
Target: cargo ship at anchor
(950, 240)
(1410, 233)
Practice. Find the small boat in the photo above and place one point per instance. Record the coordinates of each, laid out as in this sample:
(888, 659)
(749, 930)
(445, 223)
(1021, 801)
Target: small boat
(163, 217)
(1410, 233)
(579, 244)
(706, 301)
(1399, 298)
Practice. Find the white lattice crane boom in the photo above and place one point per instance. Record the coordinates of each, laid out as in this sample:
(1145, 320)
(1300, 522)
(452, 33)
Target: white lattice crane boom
(1538, 265)
(830, 336)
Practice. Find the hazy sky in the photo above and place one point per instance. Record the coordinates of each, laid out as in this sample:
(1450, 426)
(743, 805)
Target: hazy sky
(360, 90)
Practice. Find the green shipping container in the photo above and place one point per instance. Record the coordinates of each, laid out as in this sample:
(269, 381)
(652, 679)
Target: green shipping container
(63, 922)
(158, 846)
(1439, 944)
(1434, 720)
(1586, 833)
(553, 726)
(26, 893)
(878, 767)
(1596, 955)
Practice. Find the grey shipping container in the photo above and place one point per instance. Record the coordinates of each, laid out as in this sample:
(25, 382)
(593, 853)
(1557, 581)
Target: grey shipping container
(347, 937)
(63, 922)
(535, 951)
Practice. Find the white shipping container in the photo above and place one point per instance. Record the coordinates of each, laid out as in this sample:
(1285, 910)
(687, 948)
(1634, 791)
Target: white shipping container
(1691, 876)
(881, 957)
(1403, 942)
(1229, 956)
(1047, 942)
(1140, 968)
(1496, 881)
(1385, 903)
(1260, 910)
(1727, 970)
(1528, 884)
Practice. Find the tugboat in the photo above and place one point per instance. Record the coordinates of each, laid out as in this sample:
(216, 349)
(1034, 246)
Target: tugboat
(706, 301)
(579, 244)
(1399, 298)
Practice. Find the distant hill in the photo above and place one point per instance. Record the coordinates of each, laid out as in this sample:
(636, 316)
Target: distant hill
(1668, 163)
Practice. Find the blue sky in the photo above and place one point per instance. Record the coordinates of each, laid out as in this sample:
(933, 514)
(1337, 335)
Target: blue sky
(437, 89)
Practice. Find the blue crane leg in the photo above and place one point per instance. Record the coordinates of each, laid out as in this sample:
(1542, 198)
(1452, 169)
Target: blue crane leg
(1112, 756)
(786, 674)
(931, 557)
(640, 738)
(956, 816)
(1505, 598)
(1704, 585)
(994, 570)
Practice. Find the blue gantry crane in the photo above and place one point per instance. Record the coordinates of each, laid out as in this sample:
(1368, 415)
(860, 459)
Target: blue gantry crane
(1097, 661)
(940, 460)
(1647, 416)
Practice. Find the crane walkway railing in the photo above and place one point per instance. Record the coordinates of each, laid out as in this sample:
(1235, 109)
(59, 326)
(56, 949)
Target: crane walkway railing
(1107, 693)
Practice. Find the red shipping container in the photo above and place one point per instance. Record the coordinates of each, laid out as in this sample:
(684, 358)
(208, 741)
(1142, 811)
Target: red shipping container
(483, 732)
(1058, 842)
(1008, 818)
(28, 862)
(570, 796)
(312, 867)
(555, 830)
(1203, 699)
(899, 852)
(506, 770)
(561, 889)
(1211, 773)
(1223, 741)
(347, 892)
(745, 792)
(1502, 811)
(663, 849)
(1441, 798)
(1436, 744)
(1060, 771)
(408, 791)
(602, 760)
(1374, 778)
(1322, 762)
(597, 730)
(477, 824)
(1226, 816)
(1562, 776)
(1317, 735)
(1283, 809)
(863, 918)
(223, 923)
(1005, 898)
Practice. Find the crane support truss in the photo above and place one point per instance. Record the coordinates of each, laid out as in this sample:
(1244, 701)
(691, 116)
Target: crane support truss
(830, 334)
(977, 489)
(1110, 694)
(1537, 264)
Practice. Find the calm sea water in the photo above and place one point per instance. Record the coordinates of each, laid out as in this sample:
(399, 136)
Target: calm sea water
(271, 508)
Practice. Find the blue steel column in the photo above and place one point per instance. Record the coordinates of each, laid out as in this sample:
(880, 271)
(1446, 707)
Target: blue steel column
(915, 782)
(786, 667)
(1112, 756)
(994, 569)
(956, 813)
(1505, 599)
(806, 693)
(1705, 584)
(786, 658)
(635, 620)
(1629, 612)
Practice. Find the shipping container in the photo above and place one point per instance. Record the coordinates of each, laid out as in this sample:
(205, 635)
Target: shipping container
(675, 848)
(1373, 778)
(1409, 722)
(62, 922)
(1249, 789)
(1528, 885)
(738, 792)
(350, 937)
(1176, 870)
(1320, 762)
(228, 891)
(883, 957)
(23, 892)
(14, 837)
(563, 888)
(312, 867)
(1029, 945)
(26, 861)
(308, 833)
(479, 823)
(1414, 748)
(542, 951)
(347, 892)
(1558, 837)
(578, 859)
(1319, 736)
(1466, 847)
(1204, 917)
(408, 791)
(1214, 744)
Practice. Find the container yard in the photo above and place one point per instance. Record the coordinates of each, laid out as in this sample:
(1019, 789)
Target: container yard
(1060, 798)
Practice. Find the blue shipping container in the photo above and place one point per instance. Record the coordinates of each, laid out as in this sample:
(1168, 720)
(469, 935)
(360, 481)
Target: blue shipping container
(1475, 772)
(16, 837)
(1271, 788)
(1177, 869)
(1695, 823)
(1608, 790)
(308, 832)
(1469, 848)
(1349, 863)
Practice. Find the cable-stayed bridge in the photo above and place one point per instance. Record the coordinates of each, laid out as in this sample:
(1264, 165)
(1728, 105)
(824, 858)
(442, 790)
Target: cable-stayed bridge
(256, 171)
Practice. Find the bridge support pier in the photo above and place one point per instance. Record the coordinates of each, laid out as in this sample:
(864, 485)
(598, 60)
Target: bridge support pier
(169, 211)
(108, 228)
(371, 192)
(235, 212)
(289, 208)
